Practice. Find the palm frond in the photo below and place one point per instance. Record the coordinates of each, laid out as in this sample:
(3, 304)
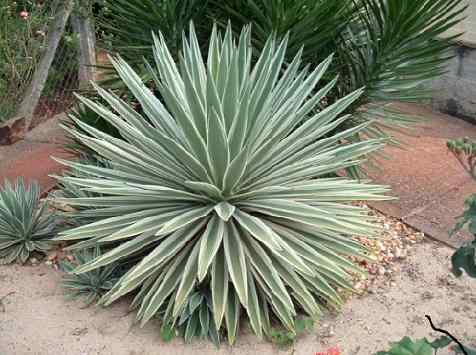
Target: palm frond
(129, 25)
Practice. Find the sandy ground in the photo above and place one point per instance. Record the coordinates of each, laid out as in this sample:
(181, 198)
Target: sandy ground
(35, 318)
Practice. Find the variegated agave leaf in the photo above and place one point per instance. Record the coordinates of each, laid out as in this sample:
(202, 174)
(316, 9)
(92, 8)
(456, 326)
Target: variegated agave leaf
(25, 223)
(221, 186)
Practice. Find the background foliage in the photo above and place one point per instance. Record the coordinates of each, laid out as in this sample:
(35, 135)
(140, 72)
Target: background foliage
(21, 42)
(390, 47)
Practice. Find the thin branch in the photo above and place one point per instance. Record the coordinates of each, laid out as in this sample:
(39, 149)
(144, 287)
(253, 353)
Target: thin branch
(447, 333)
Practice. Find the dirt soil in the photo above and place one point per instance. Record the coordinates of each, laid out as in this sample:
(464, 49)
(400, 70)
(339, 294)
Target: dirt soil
(35, 318)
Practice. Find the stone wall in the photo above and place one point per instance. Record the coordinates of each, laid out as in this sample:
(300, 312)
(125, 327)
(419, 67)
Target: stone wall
(455, 92)
(468, 26)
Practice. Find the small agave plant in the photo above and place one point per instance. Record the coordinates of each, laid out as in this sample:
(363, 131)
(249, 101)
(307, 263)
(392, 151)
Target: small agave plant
(89, 285)
(25, 223)
(224, 185)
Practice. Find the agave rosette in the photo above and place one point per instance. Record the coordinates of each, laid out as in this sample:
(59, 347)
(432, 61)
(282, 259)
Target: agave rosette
(26, 225)
(224, 183)
(90, 285)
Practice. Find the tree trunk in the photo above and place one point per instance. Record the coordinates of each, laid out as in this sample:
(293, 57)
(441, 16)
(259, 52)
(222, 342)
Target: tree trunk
(87, 44)
(33, 93)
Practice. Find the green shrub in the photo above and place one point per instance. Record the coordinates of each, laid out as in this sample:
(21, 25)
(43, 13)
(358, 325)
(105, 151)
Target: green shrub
(220, 188)
(21, 42)
(26, 225)
(465, 257)
(407, 346)
(23, 38)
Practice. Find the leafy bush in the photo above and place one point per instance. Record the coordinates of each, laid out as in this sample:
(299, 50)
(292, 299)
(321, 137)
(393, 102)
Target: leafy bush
(407, 346)
(464, 150)
(284, 339)
(220, 187)
(22, 37)
(465, 257)
(93, 284)
(26, 225)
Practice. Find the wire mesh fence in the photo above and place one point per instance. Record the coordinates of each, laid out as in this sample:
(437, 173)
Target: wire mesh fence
(24, 36)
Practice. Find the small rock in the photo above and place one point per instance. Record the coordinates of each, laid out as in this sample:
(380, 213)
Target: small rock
(79, 331)
(327, 331)
(12, 130)
(427, 295)
(34, 261)
(52, 256)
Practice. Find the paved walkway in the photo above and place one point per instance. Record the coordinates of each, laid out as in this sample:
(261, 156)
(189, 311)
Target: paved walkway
(428, 180)
(430, 183)
(30, 158)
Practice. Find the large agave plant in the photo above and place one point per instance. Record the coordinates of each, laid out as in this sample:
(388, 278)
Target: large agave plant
(221, 186)
(25, 223)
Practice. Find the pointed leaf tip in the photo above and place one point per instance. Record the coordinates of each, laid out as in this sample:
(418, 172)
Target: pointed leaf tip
(224, 210)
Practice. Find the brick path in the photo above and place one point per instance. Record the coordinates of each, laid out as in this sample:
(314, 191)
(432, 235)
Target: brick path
(30, 158)
(430, 183)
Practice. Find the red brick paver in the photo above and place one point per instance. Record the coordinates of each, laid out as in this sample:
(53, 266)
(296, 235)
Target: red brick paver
(31, 158)
(427, 179)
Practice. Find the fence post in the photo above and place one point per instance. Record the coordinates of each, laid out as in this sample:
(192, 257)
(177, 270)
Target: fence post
(33, 93)
(83, 26)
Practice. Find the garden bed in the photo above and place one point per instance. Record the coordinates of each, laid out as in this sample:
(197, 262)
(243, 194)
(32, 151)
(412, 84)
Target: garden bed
(411, 279)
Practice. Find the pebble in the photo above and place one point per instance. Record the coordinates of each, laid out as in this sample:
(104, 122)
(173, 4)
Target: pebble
(389, 251)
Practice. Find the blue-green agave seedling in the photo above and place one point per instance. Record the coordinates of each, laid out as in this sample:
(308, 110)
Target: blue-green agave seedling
(26, 225)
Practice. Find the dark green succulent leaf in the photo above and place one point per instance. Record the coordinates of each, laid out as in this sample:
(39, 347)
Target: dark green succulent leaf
(167, 333)
(196, 320)
(465, 259)
(407, 346)
(441, 342)
(468, 351)
(468, 218)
